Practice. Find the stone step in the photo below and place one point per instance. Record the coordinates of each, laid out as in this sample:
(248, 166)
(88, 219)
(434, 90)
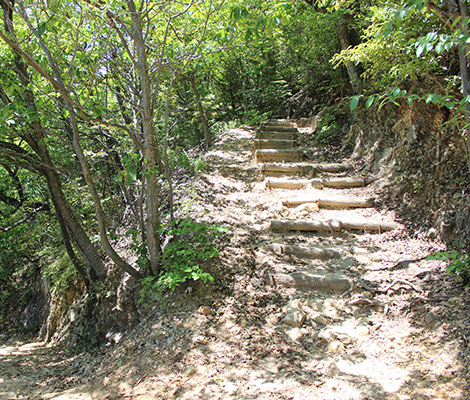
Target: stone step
(277, 122)
(278, 129)
(312, 252)
(301, 169)
(330, 202)
(279, 155)
(275, 135)
(336, 183)
(310, 281)
(274, 144)
(333, 226)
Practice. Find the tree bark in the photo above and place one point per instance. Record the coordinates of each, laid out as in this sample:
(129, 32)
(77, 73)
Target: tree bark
(70, 227)
(150, 152)
(202, 114)
(343, 36)
(465, 74)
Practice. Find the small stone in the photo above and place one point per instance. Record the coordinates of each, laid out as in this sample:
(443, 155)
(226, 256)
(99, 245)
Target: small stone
(362, 330)
(295, 317)
(295, 334)
(327, 335)
(294, 303)
(230, 388)
(345, 339)
(204, 310)
(336, 347)
(243, 323)
(320, 319)
(190, 370)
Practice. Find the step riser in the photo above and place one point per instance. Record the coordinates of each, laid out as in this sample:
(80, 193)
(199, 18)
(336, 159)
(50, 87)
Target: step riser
(274, 144)
(276, 156)
(304, 252)
(281, 157)
(331, 227)
(302, 170)
(316, 183)
(275, 136)
(278, 122)
(331, 204)
(278, 129)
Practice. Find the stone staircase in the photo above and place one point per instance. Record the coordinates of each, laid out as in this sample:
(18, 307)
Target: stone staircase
(333, 203)
(336, 286)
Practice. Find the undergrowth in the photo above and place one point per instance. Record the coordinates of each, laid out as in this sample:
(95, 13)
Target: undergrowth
(191, 246)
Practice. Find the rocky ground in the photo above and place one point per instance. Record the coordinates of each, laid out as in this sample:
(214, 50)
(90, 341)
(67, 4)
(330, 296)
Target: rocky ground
(369, 319)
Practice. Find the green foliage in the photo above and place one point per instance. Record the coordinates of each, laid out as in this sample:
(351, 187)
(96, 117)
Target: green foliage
(191, 247)
(329, 128)
(457, 263)
(180, 158)
(139, 248)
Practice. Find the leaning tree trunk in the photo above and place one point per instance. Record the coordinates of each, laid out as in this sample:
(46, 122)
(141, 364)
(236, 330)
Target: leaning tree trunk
(70, 227)
(343, 36)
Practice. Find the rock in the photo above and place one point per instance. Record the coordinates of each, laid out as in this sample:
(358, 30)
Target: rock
(295, 317)
(204, 310)
(362, 330)
(345, 339)
(335, 347)
(295, 334)
(326, 335)
(190, 370)
(230, 388)
(243, 323)
(320, 319)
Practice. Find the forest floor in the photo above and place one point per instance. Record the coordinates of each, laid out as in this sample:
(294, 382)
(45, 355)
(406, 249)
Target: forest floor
(400, 332)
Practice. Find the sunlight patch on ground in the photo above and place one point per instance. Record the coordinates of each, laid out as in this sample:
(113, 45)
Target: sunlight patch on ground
(390, 378)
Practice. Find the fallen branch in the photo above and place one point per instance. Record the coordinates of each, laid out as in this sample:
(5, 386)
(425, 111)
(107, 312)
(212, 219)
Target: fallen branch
(403, 282)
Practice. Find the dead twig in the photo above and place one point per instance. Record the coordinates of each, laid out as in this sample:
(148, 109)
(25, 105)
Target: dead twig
(369, 302)
(364, 301)
(428, 300)
(403, 282)
(358, 285)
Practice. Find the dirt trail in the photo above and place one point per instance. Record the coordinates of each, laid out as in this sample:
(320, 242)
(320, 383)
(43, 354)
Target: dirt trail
(346, 311)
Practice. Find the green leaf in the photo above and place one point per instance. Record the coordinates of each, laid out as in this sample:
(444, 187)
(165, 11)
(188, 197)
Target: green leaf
(420, 49)
(370, 101)
(354, 102)
(439, 47)
(42, 28)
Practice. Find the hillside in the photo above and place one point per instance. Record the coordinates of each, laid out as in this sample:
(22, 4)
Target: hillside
(308, 313)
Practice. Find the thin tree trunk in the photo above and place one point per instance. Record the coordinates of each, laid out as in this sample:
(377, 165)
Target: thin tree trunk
(202, 114)
(68, 223)
(343, 36)
(59, 85)
(152, 221)
(465, 74)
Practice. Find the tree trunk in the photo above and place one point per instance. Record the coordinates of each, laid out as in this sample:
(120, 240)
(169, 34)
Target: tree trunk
(70, 227)
(202, 114)
(465, 74)
(149, 144)
(343, 36)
